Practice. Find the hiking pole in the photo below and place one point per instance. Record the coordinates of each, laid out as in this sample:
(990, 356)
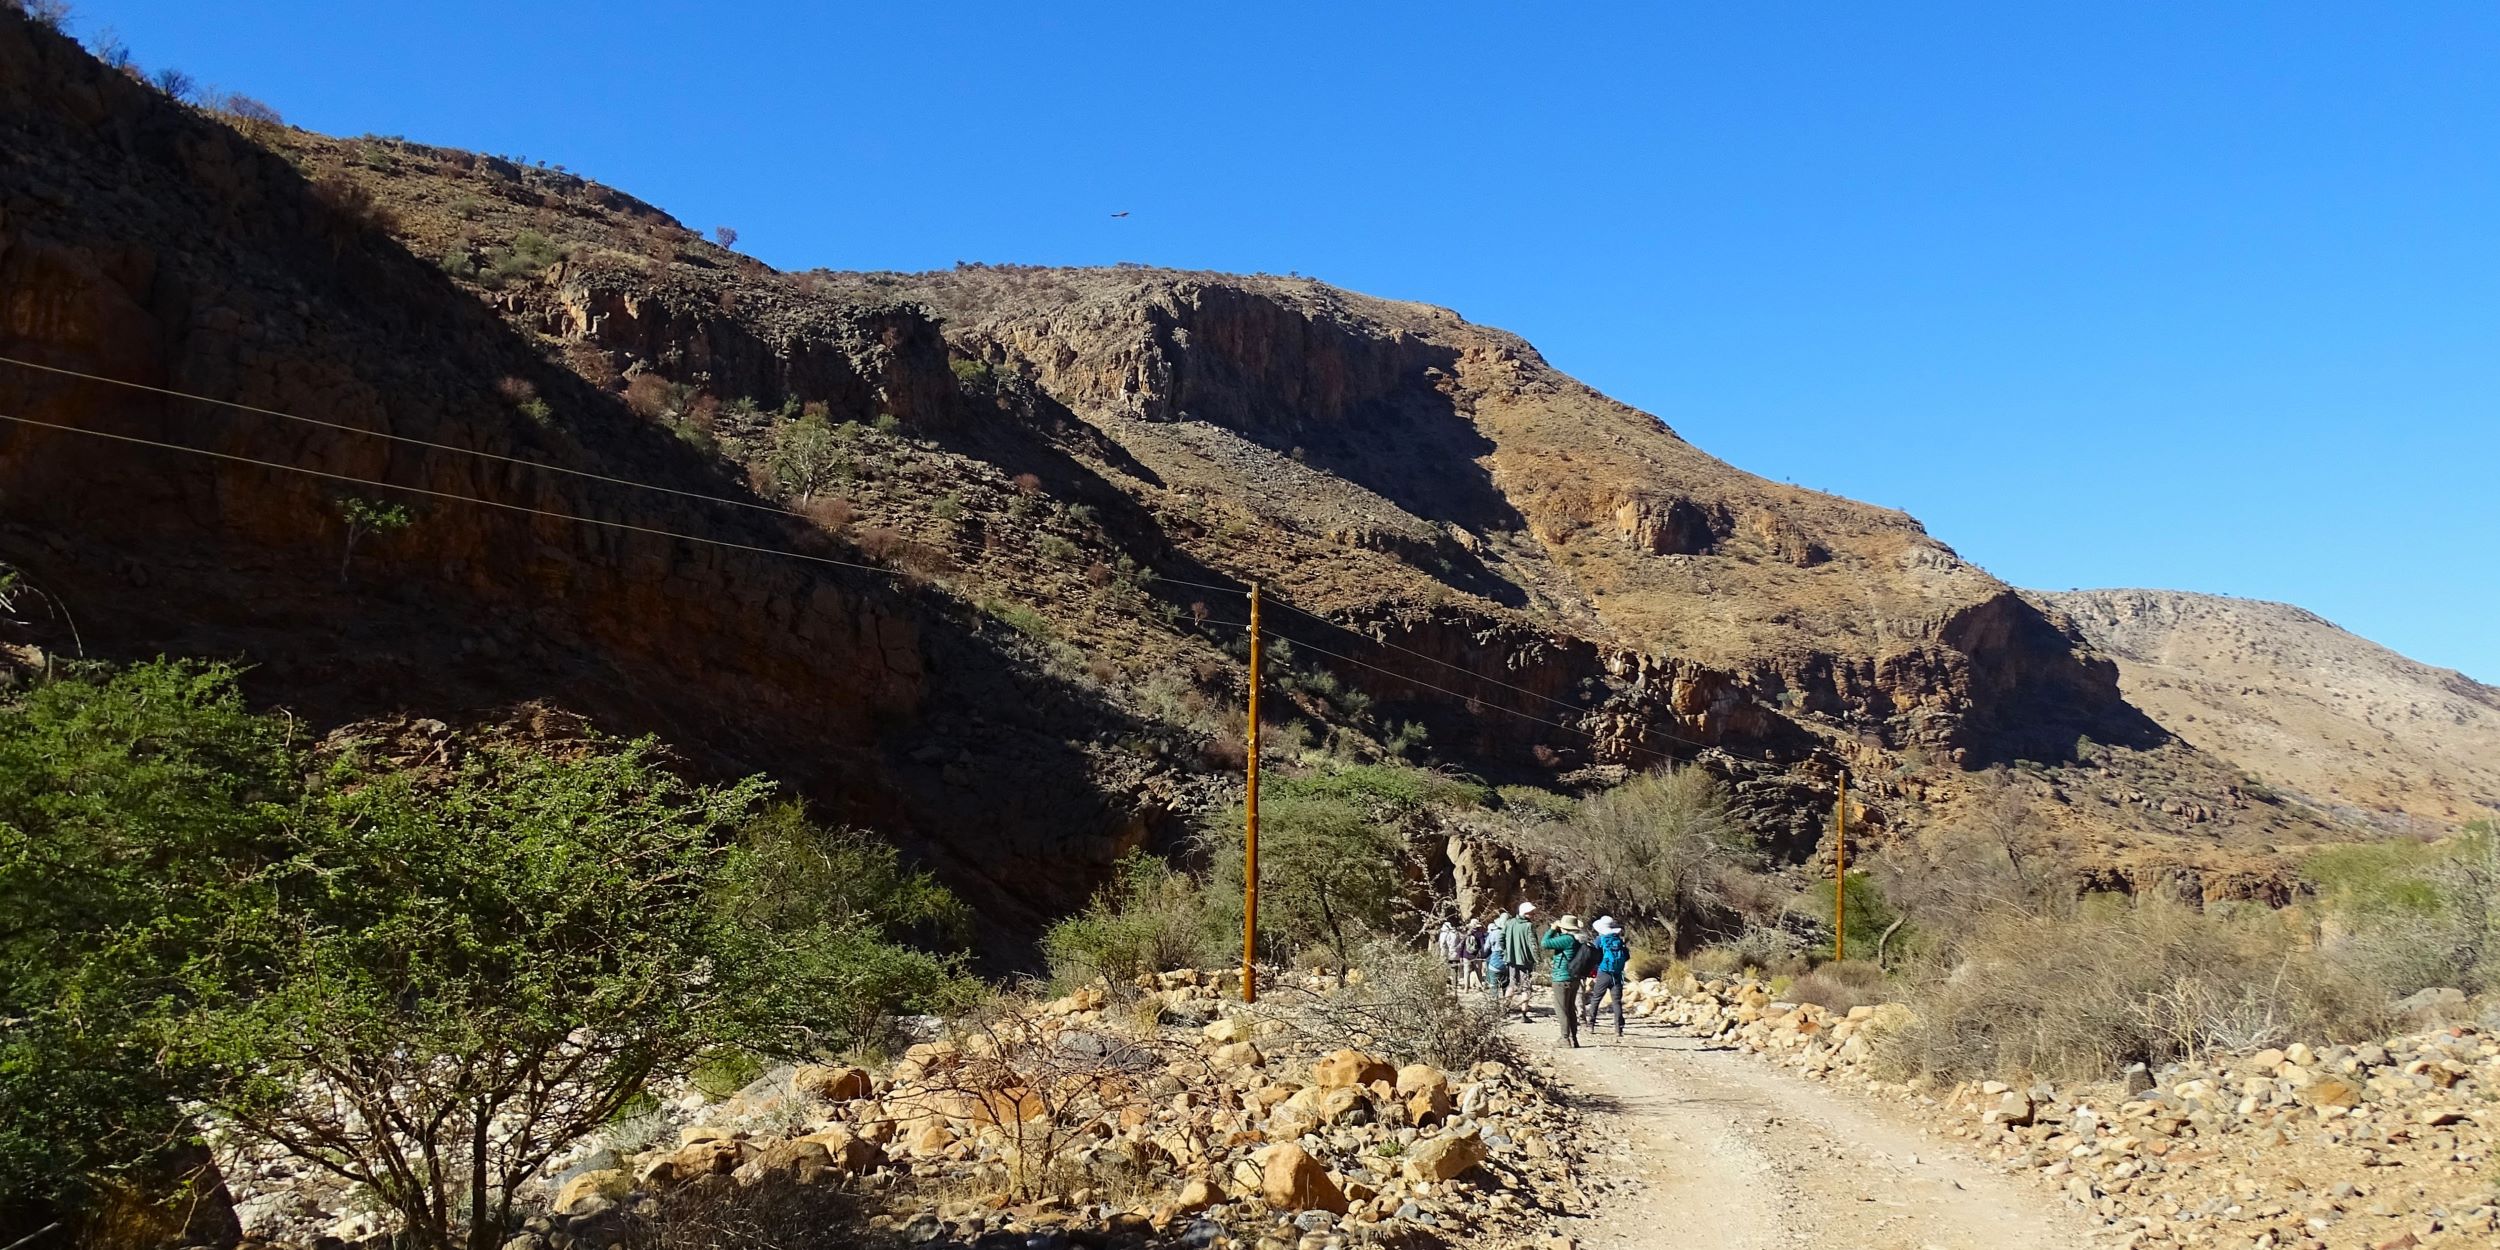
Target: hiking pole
(1250, 831)
(1840, 871)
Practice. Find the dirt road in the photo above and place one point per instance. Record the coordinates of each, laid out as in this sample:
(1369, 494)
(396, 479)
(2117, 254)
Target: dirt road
(1717, 1149)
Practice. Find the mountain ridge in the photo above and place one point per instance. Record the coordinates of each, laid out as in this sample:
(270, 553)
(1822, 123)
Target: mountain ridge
(1536, 581)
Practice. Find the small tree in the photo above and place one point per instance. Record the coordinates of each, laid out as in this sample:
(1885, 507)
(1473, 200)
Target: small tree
(725, 236)
(807, 456)
(1329, 868)
(367, 516)
(1662, 845)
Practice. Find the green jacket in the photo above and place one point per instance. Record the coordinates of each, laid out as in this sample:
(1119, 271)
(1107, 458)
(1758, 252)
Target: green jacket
(1518, 942)
(1564, 946)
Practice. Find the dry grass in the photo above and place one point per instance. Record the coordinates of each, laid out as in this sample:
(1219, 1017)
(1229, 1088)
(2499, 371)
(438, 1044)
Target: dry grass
(1841, 986)
(1405, 1010)
(2113, 983)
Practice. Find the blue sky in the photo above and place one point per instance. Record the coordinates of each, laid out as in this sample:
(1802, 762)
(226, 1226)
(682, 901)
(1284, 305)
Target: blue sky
(2202, 296)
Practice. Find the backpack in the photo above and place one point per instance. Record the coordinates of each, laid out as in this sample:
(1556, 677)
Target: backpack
(1583, 961)
(1612, 954)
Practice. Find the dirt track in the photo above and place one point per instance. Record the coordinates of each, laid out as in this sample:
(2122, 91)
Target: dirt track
(1725, 1152)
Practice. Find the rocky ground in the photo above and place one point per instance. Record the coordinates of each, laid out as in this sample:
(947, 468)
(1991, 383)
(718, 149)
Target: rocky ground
(2383, 1146)
(1184, 1118)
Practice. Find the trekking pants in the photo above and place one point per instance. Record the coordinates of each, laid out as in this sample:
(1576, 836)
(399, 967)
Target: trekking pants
(1600, 986)
(1566, 1011)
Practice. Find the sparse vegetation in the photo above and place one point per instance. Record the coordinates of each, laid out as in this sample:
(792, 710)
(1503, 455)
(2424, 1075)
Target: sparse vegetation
(366, 517)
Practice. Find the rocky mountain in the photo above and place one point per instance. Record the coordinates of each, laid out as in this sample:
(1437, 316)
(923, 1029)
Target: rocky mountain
(2303, 706)
(959, 555)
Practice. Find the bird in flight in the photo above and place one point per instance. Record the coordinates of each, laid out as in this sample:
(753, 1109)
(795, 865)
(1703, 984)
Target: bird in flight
(1121, 213)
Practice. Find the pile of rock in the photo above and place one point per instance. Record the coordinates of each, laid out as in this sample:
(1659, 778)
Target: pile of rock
(2392, 1144)
(1181, 1119)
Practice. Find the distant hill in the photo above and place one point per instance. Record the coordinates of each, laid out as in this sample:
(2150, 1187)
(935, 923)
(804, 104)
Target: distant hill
(2302, 705)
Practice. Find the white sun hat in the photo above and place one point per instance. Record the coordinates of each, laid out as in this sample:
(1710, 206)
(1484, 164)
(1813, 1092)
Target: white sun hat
(1606, 924)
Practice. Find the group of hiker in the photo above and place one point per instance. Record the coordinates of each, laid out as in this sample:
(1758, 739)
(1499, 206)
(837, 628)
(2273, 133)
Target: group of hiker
(1509, 955)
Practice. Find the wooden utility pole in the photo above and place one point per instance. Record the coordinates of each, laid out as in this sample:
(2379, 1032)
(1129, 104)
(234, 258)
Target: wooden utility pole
(1840, 867)
(1250, 839)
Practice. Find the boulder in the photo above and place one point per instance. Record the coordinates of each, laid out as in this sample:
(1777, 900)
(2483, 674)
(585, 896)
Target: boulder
(1229, 1030)
(845, 1151)
(830, 1084)
(592, 1190)
(1442, 1157)
(1350, 1068)
(1236, 1055)
(802, 1161)
(1291, 1180)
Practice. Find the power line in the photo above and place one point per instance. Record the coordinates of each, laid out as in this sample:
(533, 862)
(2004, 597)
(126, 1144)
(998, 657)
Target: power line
(443, 494)
(724, 500)
(498, 457)
(655, 531)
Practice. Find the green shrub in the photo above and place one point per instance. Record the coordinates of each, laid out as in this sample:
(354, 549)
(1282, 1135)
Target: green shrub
(1149, 918)
(139, 812)
(719, 1074)
(530, 254)
(1535, 805)
(2410, 915)
(1331, 868)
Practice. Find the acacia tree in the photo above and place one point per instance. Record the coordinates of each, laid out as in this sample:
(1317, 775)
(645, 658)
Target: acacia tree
(471, 974)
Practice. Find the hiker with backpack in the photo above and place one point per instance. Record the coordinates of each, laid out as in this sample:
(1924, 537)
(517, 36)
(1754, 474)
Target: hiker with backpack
(1613, 956)
(1573, 957)
(1519, 958)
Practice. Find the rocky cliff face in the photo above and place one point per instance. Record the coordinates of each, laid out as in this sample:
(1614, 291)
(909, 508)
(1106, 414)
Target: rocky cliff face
(1058, 482)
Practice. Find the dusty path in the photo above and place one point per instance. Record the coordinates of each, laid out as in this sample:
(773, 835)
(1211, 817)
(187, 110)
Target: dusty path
(1724, 1152)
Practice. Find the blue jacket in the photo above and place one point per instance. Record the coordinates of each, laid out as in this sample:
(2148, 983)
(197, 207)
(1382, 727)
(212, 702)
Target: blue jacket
(1613, 954)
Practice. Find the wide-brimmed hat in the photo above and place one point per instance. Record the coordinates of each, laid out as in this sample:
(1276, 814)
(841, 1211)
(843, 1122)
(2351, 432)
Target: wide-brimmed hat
(1571, 924)
(1525, 908)
(1606, 924)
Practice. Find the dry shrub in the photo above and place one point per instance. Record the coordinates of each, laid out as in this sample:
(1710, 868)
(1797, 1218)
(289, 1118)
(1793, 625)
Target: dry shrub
(1027, 483)
(898, 550)
(2118, 982)
(1056, 1093)
(774, 1214)
(1841, 986)
(834, 515)
(349, 210)
(516, 390)
(1647, 962)
(1405, 1009)
(650, 396)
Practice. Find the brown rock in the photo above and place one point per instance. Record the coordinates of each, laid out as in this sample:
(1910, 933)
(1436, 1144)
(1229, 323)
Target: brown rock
(1197, 1195)
(1442, 1157)
(803, 1161)
(831, 1084)
(1291, 1180)
(2332, 1091)
(846, 1152)
(1350, 1068)
(603, 1185)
